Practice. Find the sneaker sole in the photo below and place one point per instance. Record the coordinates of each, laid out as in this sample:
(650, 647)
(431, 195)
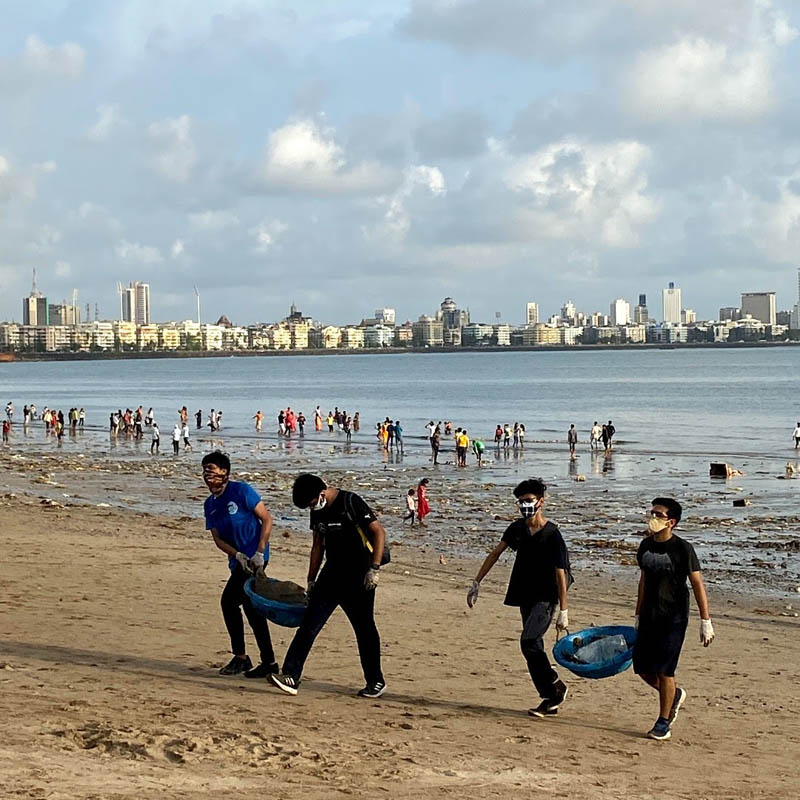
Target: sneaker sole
(372, 696)
(292, 690)
(680, 701)
(659, 738)
(534, 712)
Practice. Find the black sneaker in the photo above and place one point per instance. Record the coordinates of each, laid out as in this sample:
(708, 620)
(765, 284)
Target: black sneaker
(373, 690)
(550, 705)
(286, 683)
(236, 666)
(680, 699)
(660, 730)
(263, 670)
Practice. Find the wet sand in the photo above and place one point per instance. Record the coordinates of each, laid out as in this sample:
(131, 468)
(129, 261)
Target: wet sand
(111, 637)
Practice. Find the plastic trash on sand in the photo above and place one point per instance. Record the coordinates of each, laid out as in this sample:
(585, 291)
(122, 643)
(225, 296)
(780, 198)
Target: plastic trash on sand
(597, 652)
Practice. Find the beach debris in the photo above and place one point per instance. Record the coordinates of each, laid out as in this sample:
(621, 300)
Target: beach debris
(719, 469)
(580, 478)
(741, 502)
(442, 560)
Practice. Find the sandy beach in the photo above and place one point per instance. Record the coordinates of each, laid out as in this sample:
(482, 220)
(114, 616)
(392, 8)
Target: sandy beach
(112, 636)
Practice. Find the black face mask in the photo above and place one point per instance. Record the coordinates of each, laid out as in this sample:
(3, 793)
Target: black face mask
(528, 509)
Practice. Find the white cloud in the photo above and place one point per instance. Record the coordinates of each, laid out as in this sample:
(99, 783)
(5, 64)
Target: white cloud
(396, 220)
(703, 79)
(266, 233)
(175, 155)
(304, 156)
(213, 220)
(108, 119)
(574, 189)
(63, 269)
(177, 248)
(141, 253)
(66, 60)
(48, 237)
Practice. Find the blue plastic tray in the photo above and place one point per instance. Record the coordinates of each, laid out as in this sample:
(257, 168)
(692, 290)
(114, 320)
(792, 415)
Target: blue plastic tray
(286, 614)
(602, 669)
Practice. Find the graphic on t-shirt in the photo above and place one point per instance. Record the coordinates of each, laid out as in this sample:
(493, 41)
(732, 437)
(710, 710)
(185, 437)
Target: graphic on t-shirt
(657, 562)
(232, 508)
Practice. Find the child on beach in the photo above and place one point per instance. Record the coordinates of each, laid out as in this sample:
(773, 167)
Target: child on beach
(538, 586)
(423, 509)
(411, 506)
(662, 609)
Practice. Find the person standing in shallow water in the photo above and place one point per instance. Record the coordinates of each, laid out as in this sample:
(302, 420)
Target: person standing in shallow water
(423, 509)
(241, 525)
(538, 586)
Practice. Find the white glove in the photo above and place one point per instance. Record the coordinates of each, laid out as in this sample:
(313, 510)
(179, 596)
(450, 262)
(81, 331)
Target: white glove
(244, 561)
(472, 594)
(636, 623)
(371, 579)
(706, 632)
(256, 561)
(562, 620)
(310, 588)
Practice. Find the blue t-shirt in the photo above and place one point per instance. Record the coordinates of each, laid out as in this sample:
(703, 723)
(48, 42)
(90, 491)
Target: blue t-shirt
(398, 432)
(231, 515)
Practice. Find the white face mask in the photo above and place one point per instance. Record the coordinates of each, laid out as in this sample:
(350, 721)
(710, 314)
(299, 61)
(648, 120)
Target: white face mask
(528, 509)
(656, 525)
(320, 504)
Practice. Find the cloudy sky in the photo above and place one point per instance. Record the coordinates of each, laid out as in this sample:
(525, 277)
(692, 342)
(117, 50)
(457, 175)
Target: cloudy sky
(347, 154)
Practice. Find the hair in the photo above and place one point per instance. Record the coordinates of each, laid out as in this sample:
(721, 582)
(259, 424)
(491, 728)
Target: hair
(306, 488)
(530, 486)
(218, 459)
(411, 491)
(673, 507)
(423, 482)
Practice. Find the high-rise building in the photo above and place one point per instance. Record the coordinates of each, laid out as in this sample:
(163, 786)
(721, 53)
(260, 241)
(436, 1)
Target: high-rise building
(64, 314)
(760, 306)
(531, 313)
(385, 315)
(569, 313)
(671, 302)
(641, 316)
(688, 316)
(35, 309)
(450, 315)
(136, 303)
(620, 312)
(730, 314)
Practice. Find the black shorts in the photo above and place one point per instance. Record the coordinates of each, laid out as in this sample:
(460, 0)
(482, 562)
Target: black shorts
(658, 646)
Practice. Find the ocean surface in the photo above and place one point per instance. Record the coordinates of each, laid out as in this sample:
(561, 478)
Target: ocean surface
(661, 401)
(674, 410)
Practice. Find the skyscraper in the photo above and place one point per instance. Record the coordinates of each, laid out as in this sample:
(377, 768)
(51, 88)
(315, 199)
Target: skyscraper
(671, 301)
(641, 316)
(620, 313)
(35, 310)
(531, 313)
(760, 306)
(136, 303)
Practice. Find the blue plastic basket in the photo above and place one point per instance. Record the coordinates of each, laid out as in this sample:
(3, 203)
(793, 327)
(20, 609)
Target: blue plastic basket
(288, 615)
(602, 669)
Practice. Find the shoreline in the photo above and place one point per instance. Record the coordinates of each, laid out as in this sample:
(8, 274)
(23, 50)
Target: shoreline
(18, 357)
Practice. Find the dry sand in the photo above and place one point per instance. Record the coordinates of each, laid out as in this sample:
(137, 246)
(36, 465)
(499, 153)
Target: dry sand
(111, 636)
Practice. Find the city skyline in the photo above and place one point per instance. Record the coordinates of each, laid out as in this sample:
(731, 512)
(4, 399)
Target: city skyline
(135, 306)
(408, 150)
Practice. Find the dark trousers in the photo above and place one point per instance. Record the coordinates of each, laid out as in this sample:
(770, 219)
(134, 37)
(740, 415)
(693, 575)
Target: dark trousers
(330, 592)
(234, 597)
(535, 622)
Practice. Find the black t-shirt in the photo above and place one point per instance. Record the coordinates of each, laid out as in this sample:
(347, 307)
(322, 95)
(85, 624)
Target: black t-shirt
(666, 567)
(344, 548)
(533, 577)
